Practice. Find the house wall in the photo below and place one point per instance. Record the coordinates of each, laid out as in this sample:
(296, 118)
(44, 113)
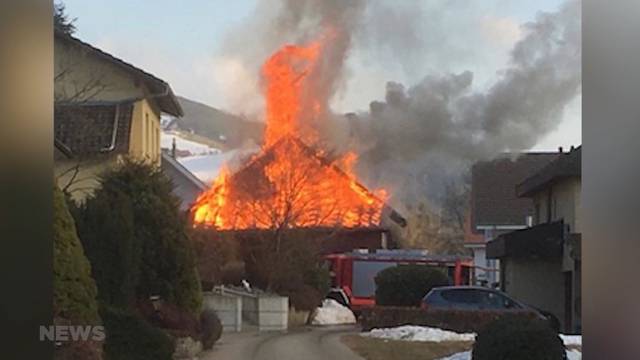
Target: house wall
(86, 180)
(560, 201)
(144, 139)
(536, 283)
(76, 69)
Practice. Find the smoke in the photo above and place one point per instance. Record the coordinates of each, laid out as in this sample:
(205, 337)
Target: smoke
(279, 22)
(424, 136)
(421, 138)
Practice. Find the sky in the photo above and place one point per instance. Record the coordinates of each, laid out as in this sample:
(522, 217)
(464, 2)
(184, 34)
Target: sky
(183, 42)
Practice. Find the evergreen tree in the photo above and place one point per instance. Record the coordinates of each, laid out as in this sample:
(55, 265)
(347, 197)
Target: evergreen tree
(74, 291)
(61, 20)
(138, 239)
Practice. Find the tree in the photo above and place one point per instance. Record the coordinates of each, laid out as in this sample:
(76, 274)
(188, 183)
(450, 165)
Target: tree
(74, 291)
(138, 238)
(61, 20)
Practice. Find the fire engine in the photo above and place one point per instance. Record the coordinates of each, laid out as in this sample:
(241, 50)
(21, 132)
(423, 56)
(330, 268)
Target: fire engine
(353, 274)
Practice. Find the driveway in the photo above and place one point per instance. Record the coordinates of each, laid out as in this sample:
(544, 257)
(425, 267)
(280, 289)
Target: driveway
(308, 343)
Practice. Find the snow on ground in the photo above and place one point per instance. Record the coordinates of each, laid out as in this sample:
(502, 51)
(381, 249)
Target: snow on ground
(418, 333)
(571, 339)
(195, 148)
(424, 333)
(333, 313)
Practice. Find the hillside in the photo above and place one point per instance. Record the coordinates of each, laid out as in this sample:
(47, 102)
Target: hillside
(217, 125)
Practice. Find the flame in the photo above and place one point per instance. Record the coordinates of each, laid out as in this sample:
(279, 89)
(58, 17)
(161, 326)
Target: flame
(290, 183)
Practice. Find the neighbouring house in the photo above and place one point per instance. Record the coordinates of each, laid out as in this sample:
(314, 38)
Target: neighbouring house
(495, 209)
(187, 186)
(105, 109)
(541, 265)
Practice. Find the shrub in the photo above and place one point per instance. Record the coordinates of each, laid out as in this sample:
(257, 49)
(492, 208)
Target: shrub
(74, 291)
(288, 264)
(129, 337)
(516, 338)
(406, 285)
(211, 328)
(79, 350)
(453, 320)
(137, 239)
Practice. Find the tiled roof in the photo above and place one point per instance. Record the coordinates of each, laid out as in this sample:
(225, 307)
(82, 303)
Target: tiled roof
(93, 128)
(493, 188)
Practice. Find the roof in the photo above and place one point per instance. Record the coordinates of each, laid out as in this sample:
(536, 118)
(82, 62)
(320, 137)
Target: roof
(161, 90)
(92, 127)
(186, 186)
(493, 195)
(167, 159)
(564, 166)
(541, 241)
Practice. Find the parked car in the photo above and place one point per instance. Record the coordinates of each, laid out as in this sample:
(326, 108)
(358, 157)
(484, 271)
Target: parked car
(478, 298)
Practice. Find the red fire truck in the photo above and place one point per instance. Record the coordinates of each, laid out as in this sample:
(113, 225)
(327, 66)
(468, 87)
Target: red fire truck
(353, 274)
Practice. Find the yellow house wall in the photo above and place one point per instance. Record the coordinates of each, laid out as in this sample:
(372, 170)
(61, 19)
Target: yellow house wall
(86, 180)
(144, 138)
(76, 69)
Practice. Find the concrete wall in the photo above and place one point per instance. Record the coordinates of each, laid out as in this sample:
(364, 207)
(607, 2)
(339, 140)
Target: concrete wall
(228, 308)
(273, 313)
(536, 283)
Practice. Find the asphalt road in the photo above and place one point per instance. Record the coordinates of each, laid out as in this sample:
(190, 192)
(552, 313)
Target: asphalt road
(307, 343)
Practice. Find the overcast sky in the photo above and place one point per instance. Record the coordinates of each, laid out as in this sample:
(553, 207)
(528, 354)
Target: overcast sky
(183, 43)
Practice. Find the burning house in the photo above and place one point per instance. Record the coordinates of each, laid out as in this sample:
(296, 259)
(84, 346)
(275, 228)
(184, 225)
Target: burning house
(294, 183)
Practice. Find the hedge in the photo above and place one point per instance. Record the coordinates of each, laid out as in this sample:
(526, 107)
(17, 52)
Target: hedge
(515, 338)
(406, 285)
(129, 337)
(462, 321)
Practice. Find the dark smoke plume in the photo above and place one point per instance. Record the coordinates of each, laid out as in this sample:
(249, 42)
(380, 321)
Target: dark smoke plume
(420, 138)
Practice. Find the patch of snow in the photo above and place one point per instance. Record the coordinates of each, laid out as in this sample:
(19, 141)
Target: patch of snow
(466, 355)
(195, 148)
(574, 355)
(333, 313)
(418, 333)
(206, 167)
(571, 339)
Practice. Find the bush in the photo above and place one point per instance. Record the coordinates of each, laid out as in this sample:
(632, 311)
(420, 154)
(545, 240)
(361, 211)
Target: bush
(406, 285)
(74, 291)
(211, 328)
(453, 320)
(516, 338)
(288, 264)
(136, 239)
(129, 337)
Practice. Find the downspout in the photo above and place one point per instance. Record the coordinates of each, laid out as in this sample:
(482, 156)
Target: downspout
(114, 133)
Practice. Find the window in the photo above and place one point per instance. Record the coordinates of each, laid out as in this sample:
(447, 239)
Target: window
(147, 129)
(467, 296)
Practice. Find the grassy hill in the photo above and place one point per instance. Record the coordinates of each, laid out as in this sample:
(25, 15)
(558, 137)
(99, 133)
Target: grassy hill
(210, 122)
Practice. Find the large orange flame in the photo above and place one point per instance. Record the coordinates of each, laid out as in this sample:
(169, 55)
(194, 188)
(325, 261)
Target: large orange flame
(289, 183)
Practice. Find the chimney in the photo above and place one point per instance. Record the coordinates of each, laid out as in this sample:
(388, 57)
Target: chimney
(173, 148)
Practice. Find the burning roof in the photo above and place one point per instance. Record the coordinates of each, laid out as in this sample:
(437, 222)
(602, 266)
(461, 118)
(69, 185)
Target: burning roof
(291, 182)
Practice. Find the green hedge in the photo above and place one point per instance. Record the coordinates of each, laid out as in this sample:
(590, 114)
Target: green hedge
(517, 338)
(129, 337)
(74, 291)
(406, 285)
(453, 320)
